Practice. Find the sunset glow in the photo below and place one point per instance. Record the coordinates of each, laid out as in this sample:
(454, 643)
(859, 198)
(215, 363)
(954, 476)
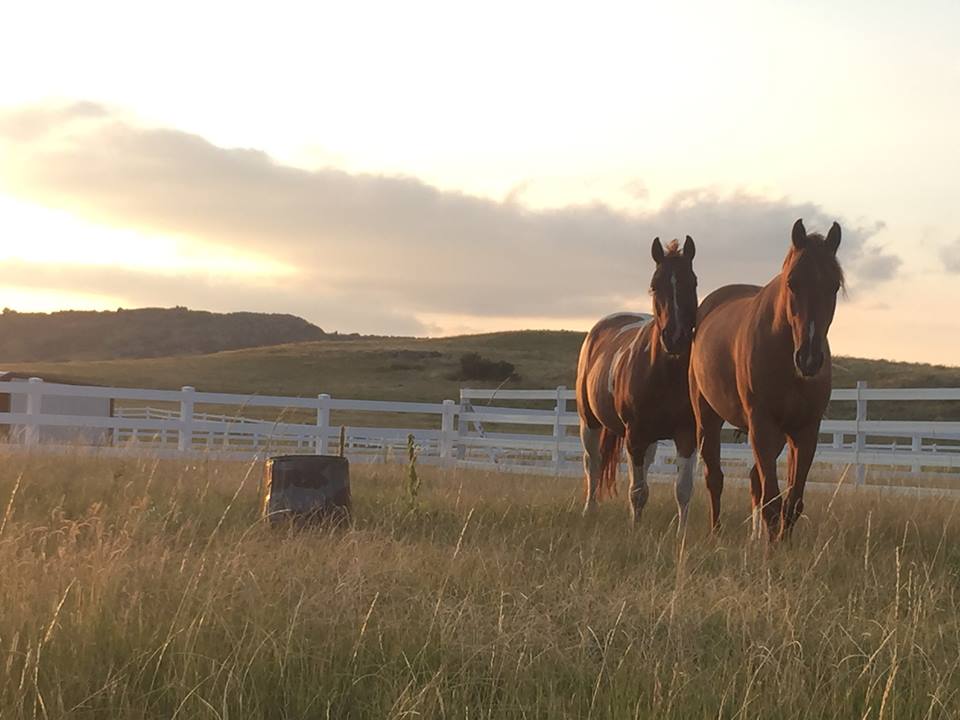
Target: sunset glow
(428, 168)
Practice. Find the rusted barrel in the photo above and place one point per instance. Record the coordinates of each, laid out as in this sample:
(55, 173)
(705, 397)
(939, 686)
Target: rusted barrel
(305, 489)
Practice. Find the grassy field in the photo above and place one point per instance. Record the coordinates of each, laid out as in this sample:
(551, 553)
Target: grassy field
(146, 589)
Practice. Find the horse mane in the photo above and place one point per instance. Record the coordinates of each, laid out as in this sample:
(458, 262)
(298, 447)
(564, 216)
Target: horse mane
(673, 248)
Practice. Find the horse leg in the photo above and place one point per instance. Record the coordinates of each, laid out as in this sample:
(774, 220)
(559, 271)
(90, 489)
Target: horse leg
(768, 442)
(803, 446)
(685, 443)
(590, 437)
(639, 450)
(709, 425)
(756, 502)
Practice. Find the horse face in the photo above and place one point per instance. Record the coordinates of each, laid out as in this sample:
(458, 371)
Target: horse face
(812, 280)
(674, 290)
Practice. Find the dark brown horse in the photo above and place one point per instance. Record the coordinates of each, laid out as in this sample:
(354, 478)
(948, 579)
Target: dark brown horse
(761, 362)
(632, 385)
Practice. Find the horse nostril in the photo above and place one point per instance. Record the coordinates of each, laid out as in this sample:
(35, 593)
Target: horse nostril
(817, 362)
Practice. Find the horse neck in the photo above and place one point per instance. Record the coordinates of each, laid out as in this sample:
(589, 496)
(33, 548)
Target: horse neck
(780, 322)
(659, 359)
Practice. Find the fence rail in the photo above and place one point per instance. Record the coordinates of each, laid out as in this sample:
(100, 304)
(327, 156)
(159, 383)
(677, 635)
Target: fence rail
(483, 429)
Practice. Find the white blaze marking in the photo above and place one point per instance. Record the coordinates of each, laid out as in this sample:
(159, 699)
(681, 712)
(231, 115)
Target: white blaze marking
(676, 302)
(812, 329)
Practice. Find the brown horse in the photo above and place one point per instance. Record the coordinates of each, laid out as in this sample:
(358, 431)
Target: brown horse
(632, 385)
(761, 362)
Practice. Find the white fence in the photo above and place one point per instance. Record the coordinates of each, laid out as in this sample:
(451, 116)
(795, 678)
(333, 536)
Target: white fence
(474, 433)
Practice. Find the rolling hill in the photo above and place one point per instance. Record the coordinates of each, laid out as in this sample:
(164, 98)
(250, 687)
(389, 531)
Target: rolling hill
(145, 332)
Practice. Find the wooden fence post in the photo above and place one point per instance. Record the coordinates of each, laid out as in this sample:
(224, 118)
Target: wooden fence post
(31, 434)
(185, 439)
(558, 411)
(861, 441)
(446, 430)
(323, 422)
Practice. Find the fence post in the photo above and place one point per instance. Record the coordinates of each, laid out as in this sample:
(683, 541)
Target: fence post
(185, 439)
(916, 447)
(463, 427)
(31, 434)
(446, 430)
(861, 442)
(559, 409)
(323, 422)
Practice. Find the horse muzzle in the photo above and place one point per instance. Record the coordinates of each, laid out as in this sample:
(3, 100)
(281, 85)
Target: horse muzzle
(808, 362)
(676, 341)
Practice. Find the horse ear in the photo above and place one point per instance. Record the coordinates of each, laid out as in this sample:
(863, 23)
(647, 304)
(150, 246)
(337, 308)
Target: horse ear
(689, 249)
(657, 251)
(799, 235)
(833, 237)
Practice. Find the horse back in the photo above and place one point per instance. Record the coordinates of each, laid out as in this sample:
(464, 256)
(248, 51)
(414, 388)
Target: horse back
(724, 295)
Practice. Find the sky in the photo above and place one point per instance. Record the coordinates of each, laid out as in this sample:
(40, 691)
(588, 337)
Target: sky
(434, 168)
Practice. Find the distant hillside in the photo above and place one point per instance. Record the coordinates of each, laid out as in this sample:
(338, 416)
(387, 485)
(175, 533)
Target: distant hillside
(143, 333)
(425, 369)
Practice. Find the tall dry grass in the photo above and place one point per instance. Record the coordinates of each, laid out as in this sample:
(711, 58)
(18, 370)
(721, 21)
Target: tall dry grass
(141, 588)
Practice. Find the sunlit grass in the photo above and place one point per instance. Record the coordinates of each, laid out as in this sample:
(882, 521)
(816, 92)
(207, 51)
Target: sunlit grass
(146, 588)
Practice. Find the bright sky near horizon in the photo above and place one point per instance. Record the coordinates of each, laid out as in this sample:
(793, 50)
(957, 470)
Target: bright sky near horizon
(440, 167)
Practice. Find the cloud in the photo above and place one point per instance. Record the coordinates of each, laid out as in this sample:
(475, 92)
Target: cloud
(874, 266)
(388, 242)
(950, 256)
(224, 295)
(35, 122)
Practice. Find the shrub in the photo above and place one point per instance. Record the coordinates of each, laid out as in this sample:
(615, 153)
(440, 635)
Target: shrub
(475, 367)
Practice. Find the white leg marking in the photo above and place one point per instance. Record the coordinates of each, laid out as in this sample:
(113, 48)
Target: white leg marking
(684, 488)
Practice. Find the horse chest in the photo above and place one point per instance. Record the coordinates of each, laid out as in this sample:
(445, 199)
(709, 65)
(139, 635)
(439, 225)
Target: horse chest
(656, 398)
(799, 404)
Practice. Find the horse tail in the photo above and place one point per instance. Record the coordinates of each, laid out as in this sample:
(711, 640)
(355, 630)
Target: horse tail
(611, 448)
